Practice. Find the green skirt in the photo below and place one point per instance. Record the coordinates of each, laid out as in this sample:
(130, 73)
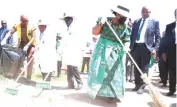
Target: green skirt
(106, 73)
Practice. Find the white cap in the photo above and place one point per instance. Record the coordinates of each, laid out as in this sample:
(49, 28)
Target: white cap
(42, 22)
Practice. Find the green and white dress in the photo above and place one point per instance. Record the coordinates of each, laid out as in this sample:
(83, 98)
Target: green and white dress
(106, 73)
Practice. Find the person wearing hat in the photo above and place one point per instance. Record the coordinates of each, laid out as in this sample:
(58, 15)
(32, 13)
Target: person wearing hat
(26, 40)
(46, 49)
(145, 40)
(106, 73)
(72, 53)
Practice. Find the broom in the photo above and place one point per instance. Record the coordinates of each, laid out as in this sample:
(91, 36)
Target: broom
(153, 93)
(13, 90)
(43, 85)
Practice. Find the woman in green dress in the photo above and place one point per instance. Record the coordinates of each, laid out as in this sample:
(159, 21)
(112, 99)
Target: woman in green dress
(106, 74)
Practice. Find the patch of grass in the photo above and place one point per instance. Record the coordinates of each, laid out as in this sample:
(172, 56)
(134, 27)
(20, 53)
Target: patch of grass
(38, 76)
(1, 77)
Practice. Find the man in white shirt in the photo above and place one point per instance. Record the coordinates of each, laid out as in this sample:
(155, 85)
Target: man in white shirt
(144, 42)
(87, 52)
(72, 52)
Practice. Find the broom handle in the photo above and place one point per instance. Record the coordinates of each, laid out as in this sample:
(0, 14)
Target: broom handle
(123, 47)
(23, 69)
(26, 65)
(47, 76)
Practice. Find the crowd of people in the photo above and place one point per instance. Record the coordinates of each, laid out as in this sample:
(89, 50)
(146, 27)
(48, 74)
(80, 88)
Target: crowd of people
(104, 58)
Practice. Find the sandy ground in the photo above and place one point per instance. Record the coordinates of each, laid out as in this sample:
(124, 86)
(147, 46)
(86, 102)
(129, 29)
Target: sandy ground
(60, 96)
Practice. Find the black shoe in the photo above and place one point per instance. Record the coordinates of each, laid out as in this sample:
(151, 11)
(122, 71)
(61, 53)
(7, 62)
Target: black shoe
(135, 89)
(28, 78)
(170, 93)
(140, 91)
(79, 86)
(81, 72)
(130, 80)
(113, 100)
(71, 86)
(160, 81)
(143, 86)
(163, 86)
(28, 82)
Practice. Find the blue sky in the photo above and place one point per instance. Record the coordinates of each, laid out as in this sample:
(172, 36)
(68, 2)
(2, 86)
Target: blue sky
(85, 11)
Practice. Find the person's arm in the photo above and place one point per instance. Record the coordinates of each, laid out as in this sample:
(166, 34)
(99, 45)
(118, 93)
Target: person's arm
(9, 34)
(126, 40)
(90, 52)
(157, 40)
(33, 36)
(157, 36)
(166, 41)
(96, 30)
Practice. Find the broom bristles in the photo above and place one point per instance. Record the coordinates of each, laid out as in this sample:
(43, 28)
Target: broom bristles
(156, 97)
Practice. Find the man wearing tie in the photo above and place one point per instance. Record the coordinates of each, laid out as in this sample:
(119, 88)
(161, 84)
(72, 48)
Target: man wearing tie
(144, 42)
(169, 54)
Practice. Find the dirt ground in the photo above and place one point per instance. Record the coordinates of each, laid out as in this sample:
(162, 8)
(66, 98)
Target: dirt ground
(59, 96)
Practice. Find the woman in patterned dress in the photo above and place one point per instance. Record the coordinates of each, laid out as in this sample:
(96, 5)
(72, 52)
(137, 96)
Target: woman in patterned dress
(106, 74)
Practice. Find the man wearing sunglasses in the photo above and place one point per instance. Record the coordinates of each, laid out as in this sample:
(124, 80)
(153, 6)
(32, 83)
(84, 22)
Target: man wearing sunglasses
(26, 40)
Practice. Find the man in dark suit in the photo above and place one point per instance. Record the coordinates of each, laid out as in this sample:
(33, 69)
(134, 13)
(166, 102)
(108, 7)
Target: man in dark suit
(163, 65)
(169, 54)
(144, 42)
